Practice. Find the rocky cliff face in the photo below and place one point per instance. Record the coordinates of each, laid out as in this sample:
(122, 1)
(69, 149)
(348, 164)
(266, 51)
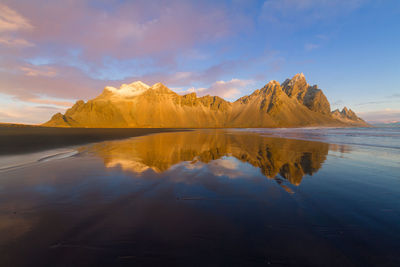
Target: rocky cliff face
(292, 104)
(310, 96)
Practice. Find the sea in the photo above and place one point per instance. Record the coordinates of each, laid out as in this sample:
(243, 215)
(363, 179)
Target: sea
(207, 197)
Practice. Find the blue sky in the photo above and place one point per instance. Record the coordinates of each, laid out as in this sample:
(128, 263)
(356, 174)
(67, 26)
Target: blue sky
(53, 53)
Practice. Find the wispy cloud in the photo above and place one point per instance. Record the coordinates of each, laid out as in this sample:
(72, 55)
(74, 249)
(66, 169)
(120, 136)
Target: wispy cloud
(53, 109)
(54, 81)
(373, 102)
(48, 102)
(10, 23)
(311, 46)
(14, 42)
(39, 71)
(11, 20)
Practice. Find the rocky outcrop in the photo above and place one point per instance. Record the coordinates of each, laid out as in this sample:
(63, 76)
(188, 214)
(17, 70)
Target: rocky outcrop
(348, 116)
(293, 104)
(270, 106)
(310, 96)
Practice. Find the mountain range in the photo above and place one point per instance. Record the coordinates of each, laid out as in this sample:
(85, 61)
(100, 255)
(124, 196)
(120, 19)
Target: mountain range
(294, 103)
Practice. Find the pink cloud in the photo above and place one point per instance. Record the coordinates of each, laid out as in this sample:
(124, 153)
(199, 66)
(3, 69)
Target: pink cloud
(14, 42)
(26, 81)
(130, 29)
(20, 113)
(11, 20)
(39, 71)
(12, 23)
(49, 102)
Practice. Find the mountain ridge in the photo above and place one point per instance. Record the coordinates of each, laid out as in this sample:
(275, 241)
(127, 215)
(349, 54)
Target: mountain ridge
(294, 103)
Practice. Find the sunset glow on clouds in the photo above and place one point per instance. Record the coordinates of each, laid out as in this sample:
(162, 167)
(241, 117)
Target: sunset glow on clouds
(55, 52)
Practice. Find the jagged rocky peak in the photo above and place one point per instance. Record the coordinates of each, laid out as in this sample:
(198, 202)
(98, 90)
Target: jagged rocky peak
(191, 95)
(296, 86)
(299, 77)
(310, 96)
(160, 89)
(271, 87)
(346, 115)
(349, 113)
(272, 84)
(346, 111)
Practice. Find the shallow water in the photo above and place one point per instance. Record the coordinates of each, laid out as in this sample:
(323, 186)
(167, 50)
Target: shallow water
(206, 197)
(388, 137)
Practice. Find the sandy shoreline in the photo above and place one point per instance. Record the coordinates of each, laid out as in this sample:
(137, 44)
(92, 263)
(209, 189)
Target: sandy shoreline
(16, 140)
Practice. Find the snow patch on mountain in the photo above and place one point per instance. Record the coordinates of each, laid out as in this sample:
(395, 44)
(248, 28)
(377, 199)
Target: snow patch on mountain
(129, 90)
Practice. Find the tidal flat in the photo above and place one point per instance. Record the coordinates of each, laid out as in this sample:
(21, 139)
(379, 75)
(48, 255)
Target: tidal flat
(297, 197)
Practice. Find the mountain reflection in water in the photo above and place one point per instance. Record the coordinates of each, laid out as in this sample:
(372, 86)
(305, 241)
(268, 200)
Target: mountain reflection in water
(275, 157)
(201, 198)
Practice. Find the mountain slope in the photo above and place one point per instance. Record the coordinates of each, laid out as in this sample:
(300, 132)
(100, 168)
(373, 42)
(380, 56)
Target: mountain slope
(294, 104)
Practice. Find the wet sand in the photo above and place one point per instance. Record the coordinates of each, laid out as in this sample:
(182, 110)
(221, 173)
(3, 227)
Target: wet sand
(201, 198)
(17, 139)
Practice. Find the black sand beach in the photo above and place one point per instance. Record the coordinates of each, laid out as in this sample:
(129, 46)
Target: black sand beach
(202, 198)
(17, 139)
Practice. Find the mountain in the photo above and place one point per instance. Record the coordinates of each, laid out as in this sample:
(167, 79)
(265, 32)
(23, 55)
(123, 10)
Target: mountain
(347, 116)
(310, 96)
(293, 104)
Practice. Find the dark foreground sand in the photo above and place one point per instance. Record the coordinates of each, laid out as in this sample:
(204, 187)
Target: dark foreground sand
(23, 139)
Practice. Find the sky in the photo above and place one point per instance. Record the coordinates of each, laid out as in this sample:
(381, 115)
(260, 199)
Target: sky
(53, 53)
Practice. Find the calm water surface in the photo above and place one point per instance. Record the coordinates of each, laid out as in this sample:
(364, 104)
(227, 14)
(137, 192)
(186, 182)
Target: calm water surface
(206, 197)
